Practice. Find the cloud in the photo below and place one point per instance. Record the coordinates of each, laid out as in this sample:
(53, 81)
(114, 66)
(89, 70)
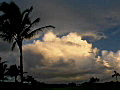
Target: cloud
(92, 36)
(77, 16)
(110, 59)
(54, 59)
(65, 59)
(74, 15)
(68, 59)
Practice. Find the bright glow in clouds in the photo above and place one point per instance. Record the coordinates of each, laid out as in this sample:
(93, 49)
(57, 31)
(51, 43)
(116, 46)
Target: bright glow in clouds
(67, 59)
(53, 48)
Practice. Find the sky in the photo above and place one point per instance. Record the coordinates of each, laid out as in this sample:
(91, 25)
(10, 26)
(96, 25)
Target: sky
(85, 42)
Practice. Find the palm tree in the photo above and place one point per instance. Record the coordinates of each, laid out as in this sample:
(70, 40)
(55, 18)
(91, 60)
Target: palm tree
(116, 74)
(16, 26)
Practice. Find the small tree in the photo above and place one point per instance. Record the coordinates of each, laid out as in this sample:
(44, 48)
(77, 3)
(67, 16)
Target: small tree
(116, 74)
(13, 71)
(94, 80)
(3, 70)
(30, 79)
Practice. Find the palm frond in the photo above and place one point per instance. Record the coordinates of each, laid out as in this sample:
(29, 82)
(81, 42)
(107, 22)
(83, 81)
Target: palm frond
(26, 11)
(36, 31)
(31, 34)
(26, 19)
(6, 37)
(113, 75)
(26, 30)
(25, 16)
(37, 20)
(13, 46)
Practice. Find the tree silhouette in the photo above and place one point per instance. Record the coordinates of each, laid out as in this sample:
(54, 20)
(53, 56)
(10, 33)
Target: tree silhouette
(16, 26)
(93, 80)
(3, 70)
(13, 71)
(30, 79)
(116, 74)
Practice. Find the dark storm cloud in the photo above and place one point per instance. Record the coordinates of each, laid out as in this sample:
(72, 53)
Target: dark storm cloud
(75, 15)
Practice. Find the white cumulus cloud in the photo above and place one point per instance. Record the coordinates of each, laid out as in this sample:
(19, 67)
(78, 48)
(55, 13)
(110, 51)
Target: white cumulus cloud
(68, 57)
(65, 59)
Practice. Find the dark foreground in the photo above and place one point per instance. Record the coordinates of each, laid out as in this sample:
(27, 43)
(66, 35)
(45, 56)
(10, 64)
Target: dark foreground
(39, 86)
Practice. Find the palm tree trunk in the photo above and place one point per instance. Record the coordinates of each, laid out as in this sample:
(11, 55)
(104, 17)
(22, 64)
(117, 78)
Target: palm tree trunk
(21, 60)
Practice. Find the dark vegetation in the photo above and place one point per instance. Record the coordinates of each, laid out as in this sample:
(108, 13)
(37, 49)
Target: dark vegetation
(15, 26)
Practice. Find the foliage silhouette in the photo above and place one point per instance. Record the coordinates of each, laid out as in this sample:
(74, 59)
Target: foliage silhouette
(13, 71)
(116, 74)
(3, 70)
(94, 80)
(16, 26)
(30, 79)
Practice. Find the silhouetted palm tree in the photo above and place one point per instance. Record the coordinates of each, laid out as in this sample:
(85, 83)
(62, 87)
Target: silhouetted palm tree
(13, 71)
(116, 74)
(3, 70)
(16, 26)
